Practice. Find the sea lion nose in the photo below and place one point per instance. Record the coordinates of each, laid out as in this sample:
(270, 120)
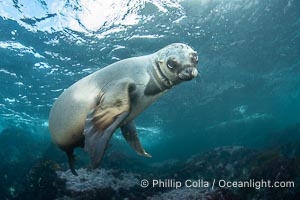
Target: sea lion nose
(194, 72)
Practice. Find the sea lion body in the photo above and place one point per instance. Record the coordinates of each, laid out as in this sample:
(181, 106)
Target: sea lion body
(74, 104)
(88, 112)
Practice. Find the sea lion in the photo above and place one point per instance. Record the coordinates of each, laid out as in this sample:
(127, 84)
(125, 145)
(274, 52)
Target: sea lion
(88, 112)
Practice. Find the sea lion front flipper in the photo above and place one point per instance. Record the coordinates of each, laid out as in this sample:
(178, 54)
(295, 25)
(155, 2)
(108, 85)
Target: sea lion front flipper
(130, 134)
(96, 141)
(101, 123)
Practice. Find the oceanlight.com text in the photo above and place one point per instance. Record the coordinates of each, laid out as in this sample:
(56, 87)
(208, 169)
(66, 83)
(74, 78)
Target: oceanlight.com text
(221, 183)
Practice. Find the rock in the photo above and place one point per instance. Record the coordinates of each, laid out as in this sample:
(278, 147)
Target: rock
(104, 183)
(42, 182)
(195, 194)
(29, 174)
(19, 152)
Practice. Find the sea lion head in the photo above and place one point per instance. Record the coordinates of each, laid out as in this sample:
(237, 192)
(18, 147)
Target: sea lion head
(176, 63)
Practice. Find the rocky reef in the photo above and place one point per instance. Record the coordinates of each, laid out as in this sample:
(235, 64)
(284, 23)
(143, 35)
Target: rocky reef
(232, 163)
(37, 170)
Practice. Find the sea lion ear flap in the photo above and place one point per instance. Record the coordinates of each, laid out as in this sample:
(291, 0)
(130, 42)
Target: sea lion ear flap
(159, 62)
(160, 59)
(130, 134)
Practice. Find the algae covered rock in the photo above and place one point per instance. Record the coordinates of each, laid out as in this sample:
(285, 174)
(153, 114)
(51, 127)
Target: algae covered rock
(19, 152)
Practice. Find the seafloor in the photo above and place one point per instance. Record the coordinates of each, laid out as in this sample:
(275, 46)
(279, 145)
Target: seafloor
(37, 170)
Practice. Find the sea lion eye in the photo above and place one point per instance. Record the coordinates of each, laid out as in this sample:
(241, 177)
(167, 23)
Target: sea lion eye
(194, 57)
(171, 64)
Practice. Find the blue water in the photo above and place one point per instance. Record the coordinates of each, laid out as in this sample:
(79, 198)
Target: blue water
(249, 64)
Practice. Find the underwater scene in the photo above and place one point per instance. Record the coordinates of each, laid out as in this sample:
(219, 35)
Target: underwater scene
(209, 89)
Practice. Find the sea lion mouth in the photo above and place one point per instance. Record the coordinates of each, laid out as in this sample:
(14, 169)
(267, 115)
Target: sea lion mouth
(168, 83)
(188, 74)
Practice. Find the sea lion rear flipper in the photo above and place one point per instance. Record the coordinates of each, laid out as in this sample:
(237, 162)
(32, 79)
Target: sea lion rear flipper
(101, 123)
(130, 134)
(71, 161)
